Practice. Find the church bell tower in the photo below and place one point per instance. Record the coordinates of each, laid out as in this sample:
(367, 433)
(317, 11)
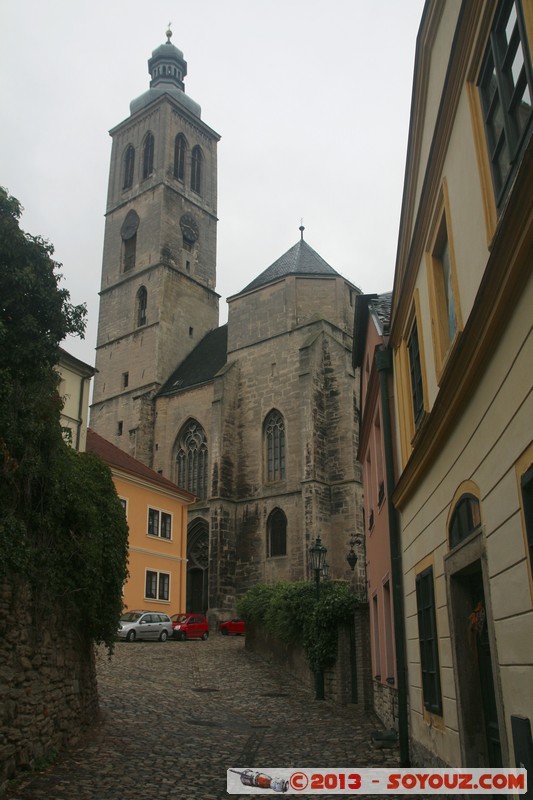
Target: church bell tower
(157, 297)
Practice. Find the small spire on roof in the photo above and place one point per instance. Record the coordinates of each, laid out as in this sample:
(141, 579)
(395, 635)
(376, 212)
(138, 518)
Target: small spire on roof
(169, 33)
(302, 229)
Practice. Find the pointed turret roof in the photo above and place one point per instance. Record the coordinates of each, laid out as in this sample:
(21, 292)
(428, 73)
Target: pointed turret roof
(301, 259)
(167, 68)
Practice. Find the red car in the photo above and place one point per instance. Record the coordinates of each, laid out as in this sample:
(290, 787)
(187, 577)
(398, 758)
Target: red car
(235, 626)
(190, 626)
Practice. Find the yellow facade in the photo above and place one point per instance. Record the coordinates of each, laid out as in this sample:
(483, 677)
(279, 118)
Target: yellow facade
(74, 387)
(463, 353)
(156, 512)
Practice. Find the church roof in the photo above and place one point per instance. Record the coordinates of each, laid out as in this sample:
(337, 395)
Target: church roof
(301, 259)
(201, 365)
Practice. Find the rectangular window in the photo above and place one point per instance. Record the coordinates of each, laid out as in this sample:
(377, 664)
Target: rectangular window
(375, 628)
(446, 320)
(166, 525)
(415, 370)
(506, 87)
(124, 504)
(157, 585)
(389, 652)
(125, 380)
(164, 586)
(427, 634)
(151, 585)
(159, 523)
(526, 485)
(153, 522)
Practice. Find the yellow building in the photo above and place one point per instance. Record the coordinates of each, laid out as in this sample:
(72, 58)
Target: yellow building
(74, 387)
(462, 339)
(156, 511)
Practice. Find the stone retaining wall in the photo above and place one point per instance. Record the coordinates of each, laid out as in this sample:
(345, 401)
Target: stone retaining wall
(348, 681)
(48, 691)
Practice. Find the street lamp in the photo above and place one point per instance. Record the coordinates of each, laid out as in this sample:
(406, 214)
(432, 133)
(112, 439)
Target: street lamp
(317, 555)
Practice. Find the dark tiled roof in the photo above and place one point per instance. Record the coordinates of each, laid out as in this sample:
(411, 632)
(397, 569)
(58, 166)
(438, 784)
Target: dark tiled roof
(115, 457)
(299, 260)
(381, 305)
(365, 304)
(200, 366)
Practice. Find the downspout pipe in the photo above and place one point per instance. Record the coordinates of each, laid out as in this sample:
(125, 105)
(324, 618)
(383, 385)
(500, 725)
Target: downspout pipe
(383, 360)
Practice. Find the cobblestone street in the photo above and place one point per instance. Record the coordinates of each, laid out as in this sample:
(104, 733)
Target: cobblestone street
(177, 715)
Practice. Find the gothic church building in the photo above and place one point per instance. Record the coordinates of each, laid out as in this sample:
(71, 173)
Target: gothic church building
(258, 417)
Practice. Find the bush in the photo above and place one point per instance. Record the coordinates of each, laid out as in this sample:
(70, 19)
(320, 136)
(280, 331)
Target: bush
(291, 613)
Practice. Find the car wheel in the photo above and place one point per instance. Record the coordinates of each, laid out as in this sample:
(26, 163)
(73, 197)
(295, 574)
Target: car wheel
(205, 635)
(130, 636)
(163, 636)
(224, 631)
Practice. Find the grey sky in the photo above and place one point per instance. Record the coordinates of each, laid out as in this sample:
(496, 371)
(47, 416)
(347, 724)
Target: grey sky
(311, 99)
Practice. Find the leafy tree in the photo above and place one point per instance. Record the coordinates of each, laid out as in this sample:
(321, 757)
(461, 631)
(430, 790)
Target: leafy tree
(61, 524)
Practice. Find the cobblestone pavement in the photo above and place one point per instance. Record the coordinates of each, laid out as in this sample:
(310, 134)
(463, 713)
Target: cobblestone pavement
(177, 715)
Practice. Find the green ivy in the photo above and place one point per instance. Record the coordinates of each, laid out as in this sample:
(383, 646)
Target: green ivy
(62, 528)
(290, 612)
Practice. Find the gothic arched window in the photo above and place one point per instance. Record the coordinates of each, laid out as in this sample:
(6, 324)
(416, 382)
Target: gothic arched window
(277, 534)
(148, 155)
(142, 302)
(465, 519)
(196, 170)
(180, 148)
(191, 459)
(129, 166)
(275, 446)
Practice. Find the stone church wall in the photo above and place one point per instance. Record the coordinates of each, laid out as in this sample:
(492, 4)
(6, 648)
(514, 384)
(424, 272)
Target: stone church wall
(48, 692)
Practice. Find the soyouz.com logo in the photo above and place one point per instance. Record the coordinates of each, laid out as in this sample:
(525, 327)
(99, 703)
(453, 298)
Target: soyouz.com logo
(353, 781)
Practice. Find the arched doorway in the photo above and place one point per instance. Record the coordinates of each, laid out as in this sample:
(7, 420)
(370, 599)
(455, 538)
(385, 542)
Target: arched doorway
(197, 566)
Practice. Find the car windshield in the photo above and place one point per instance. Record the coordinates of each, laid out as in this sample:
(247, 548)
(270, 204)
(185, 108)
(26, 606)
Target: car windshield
(179, 617)
(131, 616)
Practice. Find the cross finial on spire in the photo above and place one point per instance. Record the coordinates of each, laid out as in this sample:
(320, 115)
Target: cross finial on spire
(302, 229)
(169, 33)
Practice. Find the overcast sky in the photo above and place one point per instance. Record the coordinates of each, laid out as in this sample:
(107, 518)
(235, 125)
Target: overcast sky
(311, 99)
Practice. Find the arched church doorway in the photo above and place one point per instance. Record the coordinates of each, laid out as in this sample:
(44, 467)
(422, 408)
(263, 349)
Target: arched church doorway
(197, 566)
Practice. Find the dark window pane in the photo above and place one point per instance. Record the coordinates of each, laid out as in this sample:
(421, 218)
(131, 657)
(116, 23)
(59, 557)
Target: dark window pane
(427, 633)
(151, 585)
(153, 522)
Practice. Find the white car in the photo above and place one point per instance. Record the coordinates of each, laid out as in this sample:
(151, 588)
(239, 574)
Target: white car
(144, 625)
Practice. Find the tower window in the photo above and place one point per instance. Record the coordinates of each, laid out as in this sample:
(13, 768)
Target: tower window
(130, 249)
(180, 148)
(125, 379)
(142, 302)
(128, 233)
(275, 446)
(129, 166)
(191, 459)
(148, 155)
(196, 170)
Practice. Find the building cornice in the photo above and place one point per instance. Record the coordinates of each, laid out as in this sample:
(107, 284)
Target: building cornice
(506, 274)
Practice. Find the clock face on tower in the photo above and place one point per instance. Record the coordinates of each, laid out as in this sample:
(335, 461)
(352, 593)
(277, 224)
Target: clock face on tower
(189, 228)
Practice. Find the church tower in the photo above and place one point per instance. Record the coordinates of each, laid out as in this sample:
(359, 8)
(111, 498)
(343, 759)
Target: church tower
(157, 298)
